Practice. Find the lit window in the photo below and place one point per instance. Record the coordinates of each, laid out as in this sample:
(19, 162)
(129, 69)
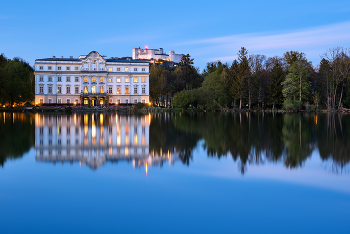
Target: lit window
(110, 80)
(135, 69)
(135, 89)
(76, 89)
(110, 69)
(101, 89)
(49, 68)
(135, 79)
(59, 89)
(59, 68)
(143, 89)
(93, 79)
(76, 79)
(67, 89)
(118, 80)
(118, 90)
(68, 78)
(143, 69)
(93, 89)
(126, 80)
(143, 79)
(76, 68)
(102, 80)
(118, 69)
(85, 89)
(126, 69)
(86, 79)
(86, 101)
(50, 89)
(50, 79)
(68, 68)
(41, 78)
(126, 90)
(59, 78)
(110, 89)
(41, 89)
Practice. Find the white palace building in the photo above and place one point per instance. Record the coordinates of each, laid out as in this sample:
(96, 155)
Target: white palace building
(92, 79)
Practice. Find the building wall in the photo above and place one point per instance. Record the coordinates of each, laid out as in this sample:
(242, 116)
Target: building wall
(75, 76)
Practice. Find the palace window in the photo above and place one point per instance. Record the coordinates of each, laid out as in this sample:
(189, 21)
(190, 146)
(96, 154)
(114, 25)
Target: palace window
(50, 89)
(41, 78)
(41, 67)
(135, 90)
(50, 100)
(85, 89)
(101, 89)
(135, 80)
(59, 79)
(59, 68)
(59, 100)
(143, 89)
(77, 102)
(110, 80)
(143, 101)
(110, 89)
(126, 101)
(143, 79)
(110, 69)
(118, 80)
(102, 80)
(93, 89)
(68, 100)
(143, 69)
(118, 90)
(118, 69)
(41, 89)
(126, 90)
(135, 100)
(86, 79)
(68, 78)
(41, 101)
(59, 89)
(93, 79)
(126, 69)
(76, 88)
(126, 80)
(50, 79)
(68, 89)
(76, 79)
(118, 101)
(49, 68)
(135, 69)
(67, 68)
(76, 68)
(86, 101)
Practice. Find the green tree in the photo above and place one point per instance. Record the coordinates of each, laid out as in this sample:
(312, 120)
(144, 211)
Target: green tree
(275, 89)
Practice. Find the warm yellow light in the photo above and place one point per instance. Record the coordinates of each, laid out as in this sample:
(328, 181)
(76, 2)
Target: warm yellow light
(118, 140)
(101, 119)
(126, 140)
(126, 151)
(146, 168)
(93, 130)
(135, 140)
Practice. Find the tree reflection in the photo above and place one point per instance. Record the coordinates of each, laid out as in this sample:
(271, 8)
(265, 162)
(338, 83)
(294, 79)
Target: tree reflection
(16, 135)
(254, 138)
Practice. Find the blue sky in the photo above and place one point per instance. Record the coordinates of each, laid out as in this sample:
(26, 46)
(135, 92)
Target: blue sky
(207, 30)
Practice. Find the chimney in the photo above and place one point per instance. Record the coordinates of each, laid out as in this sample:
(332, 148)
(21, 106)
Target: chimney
(54, 57)
(61, 56)
(70, 57)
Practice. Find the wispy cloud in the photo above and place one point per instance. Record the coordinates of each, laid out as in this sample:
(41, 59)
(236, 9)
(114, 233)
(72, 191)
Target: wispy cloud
(308, 39)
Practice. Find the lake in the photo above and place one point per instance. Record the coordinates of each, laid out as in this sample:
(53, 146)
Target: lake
(175, 173)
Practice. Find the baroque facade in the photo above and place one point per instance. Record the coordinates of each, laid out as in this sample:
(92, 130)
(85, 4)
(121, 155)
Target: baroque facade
(92, 79)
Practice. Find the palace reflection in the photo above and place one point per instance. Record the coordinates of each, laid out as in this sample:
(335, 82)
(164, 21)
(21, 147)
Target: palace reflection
(94, 139)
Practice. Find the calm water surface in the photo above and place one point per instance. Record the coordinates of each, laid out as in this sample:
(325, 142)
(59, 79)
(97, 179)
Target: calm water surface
(167, 173)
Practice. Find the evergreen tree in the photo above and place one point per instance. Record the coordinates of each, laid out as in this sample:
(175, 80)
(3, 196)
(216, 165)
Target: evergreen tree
(275, 90)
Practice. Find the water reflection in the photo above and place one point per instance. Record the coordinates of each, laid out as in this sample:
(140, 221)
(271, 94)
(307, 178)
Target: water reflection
(94, 139)
(16, 135)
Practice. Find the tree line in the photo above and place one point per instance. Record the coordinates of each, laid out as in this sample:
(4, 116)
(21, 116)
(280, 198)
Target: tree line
(254, 81)
(17, 83)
